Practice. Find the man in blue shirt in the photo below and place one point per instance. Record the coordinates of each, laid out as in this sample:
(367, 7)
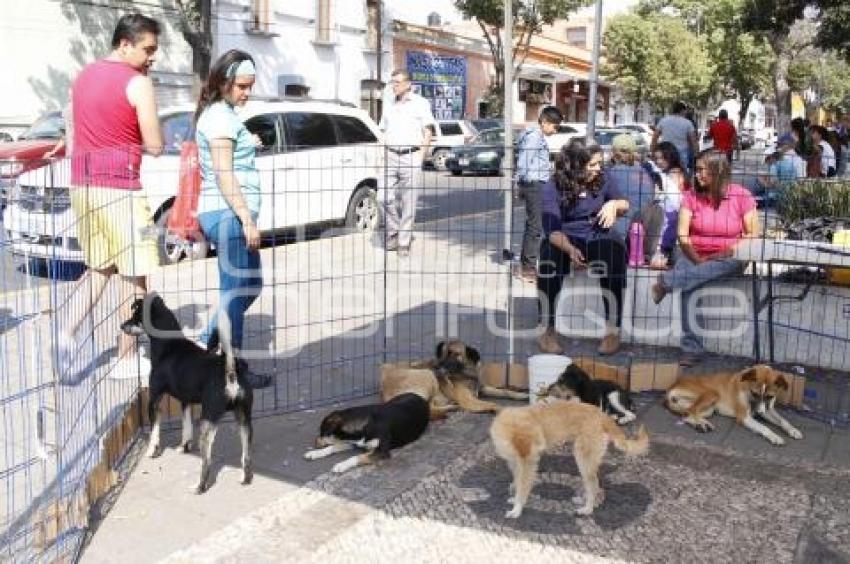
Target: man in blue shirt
(532, 172)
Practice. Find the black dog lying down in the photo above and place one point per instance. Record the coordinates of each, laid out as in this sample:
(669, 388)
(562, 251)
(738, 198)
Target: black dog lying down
(192, 375)
(611, 398)
(378, 428)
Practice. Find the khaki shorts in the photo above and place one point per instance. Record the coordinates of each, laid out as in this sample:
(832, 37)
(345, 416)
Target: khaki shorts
(115, 228)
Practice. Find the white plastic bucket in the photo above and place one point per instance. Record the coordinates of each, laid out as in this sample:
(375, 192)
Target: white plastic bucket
(543, 370)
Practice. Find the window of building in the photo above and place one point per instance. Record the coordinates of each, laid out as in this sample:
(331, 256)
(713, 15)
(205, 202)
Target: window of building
(577, 36)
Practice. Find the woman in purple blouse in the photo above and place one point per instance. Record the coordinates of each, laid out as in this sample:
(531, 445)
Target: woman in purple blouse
(579, 209)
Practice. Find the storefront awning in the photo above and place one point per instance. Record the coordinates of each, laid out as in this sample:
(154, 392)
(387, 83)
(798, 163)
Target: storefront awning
(532, 71)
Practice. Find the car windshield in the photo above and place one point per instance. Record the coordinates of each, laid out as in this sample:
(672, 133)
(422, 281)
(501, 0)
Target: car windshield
(490, 137)
(51, 126)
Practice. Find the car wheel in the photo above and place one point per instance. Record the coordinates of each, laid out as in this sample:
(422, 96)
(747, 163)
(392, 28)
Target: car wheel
(362, 214)
(438, 158)
(457, 172)
(172, 249)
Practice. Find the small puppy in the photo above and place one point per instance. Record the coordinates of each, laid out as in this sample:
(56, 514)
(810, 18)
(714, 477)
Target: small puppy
(739, 395)
(522, 434)
(192, 375)
(611, 398)
(378, 428)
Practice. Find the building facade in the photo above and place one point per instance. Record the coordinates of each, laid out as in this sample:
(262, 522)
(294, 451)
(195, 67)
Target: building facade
(48, 42)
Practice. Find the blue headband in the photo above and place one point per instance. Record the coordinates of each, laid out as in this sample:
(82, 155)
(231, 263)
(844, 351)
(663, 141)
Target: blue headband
(241, 68)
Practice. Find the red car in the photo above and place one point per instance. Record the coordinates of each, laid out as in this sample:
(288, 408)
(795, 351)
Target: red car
(17, 157)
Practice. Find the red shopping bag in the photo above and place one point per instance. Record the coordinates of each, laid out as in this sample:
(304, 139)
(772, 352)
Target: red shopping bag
(183, 219)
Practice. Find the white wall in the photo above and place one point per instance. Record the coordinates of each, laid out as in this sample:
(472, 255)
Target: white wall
(45, 43)
(330, 71)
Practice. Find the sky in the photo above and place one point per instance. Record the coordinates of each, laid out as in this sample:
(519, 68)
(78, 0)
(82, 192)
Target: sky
(416, 11)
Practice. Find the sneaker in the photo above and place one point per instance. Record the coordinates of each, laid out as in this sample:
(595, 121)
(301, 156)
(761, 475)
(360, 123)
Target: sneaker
(392, 244)
(610, 344)
(256, 381)
(404, 251)
(131, 367)
(548, 342)
(659, 291)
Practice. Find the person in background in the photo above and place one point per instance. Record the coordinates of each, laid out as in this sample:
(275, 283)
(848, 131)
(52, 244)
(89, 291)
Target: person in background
(532, 172)
(408, 124)
(828, 163)
(114, 120)
(660, 218)
(714, 217)
(629, 179)
(676, 128)
(579, 210)
(229, 203)
(785, 167)
(724, 135)
(806, 148)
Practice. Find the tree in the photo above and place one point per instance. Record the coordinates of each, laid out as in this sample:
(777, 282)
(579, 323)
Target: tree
(825, 75)
(195, 25)
(743, 61)
(529, 19)
(656, 60)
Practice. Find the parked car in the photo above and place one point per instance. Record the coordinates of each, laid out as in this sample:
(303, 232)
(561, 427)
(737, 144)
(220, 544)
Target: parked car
(318, 163)
(483, 155)
(480, 124)
(604, 137)
(450, 133)
(18, 157)
(644, 129)
(566, 132)
(6, 137)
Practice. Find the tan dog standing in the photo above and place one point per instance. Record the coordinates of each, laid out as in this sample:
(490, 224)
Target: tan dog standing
(522, 434)
(735, 395)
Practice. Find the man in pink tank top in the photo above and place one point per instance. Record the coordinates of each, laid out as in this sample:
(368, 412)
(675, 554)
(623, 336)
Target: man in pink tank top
(113, 121)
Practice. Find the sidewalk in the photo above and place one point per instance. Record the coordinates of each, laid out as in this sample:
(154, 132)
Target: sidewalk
(724, 496)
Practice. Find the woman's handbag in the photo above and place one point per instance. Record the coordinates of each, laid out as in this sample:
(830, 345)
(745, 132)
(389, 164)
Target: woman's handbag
(183, 219)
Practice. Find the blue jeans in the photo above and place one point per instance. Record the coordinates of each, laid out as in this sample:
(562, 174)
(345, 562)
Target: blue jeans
(239, 274)
(690, 277)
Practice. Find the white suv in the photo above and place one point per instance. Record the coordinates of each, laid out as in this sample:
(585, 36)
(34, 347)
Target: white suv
(318, 163)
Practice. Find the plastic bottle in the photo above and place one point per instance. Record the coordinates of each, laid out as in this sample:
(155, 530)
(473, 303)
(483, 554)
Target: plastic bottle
(636, 236)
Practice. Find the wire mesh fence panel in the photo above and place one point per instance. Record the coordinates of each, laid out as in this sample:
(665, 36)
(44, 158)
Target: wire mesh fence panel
(350, 278)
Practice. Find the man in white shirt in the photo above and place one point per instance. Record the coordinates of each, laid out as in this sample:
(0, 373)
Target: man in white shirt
(408, 125)
(680, 131)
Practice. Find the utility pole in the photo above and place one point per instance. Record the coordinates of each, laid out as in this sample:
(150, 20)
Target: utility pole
(594, 75)
(379, 53)
(508, 169)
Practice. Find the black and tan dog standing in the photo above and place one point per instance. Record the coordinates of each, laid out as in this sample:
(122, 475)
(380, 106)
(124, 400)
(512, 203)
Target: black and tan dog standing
(192, 375)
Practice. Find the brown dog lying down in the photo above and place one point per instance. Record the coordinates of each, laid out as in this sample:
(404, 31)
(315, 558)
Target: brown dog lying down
(449, 381)
(737, 395)
(522, 434)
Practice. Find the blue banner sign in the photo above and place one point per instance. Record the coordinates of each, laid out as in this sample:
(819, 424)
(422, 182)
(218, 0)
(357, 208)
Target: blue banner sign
(441, 80)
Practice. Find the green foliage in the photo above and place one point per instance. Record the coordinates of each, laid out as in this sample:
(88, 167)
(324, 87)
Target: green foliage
(825, 74)
(834, 32)
(814, 198)
(656, 59)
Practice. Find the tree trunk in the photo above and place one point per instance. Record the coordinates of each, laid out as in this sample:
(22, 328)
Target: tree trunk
(781, 89)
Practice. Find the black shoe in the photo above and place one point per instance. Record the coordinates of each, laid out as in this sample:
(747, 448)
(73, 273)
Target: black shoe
(256, 381)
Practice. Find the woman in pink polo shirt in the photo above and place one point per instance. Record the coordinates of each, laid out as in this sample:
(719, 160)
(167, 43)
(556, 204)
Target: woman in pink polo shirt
(712, 219)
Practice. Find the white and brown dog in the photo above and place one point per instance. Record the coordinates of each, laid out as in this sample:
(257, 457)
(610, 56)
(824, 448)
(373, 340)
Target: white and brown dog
(740, 395)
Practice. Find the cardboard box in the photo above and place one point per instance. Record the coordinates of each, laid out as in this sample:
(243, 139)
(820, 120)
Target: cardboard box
(506, 376)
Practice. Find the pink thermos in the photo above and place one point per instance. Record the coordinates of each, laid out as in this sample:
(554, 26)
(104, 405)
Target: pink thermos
(636, 236)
